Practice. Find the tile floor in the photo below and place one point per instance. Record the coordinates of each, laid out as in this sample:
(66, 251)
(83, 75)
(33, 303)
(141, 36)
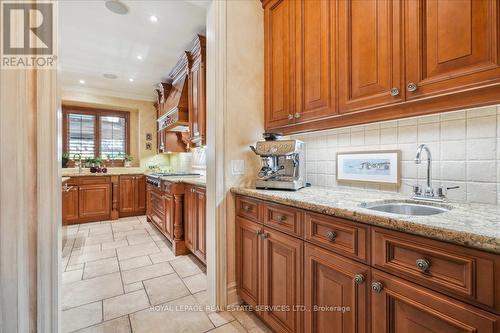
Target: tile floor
(121, 277)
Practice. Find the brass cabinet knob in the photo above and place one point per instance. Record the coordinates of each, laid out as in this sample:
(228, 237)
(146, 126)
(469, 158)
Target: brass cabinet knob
(280, 218)
(411, 86)
(264, 235)
(297, 114)
(246, 208)
(377, 286)
(258, 232)
(359, 278)
(394, 92)
(290, 116)
(423, 264)
(331, 235)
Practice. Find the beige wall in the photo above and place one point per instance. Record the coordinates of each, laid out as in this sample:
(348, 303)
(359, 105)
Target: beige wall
(244, 119)
(142, 121)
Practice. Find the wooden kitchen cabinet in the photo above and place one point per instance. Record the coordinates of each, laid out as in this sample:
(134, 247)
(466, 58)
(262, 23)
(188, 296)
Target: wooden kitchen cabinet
(247, 260)
(156, 210)
(370, 54)
(331, 281)
(315, 25)
(94, 201)
(450, 45)
(70, 203)
(340, 63)
(279, 62)
(195, 221)
(132, 195)
(401, 306)
(282, 280)
(197, 92)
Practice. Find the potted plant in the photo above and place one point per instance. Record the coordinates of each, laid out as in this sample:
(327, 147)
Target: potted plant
(65, 159)
(128, 160)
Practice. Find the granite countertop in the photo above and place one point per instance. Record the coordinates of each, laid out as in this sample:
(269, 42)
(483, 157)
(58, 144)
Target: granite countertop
(193, 180)
(471, 225)
(73, 172)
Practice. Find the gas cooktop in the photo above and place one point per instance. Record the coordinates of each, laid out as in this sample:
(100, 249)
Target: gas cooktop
(174, 174)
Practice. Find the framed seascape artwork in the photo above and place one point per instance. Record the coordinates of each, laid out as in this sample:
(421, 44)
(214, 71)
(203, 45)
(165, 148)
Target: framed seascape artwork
(369, 166)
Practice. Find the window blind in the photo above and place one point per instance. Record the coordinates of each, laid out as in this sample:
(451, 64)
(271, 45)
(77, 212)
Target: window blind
(81, 135)
(112, 136)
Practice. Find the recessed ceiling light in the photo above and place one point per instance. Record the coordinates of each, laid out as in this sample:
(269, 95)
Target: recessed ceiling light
(110, 76)
(116, 7)
(82, 81)
(153, 19)
(131, 80)
(139, 57)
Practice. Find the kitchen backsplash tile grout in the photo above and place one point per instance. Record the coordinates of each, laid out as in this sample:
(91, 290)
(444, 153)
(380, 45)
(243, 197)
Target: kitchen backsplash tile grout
(464, 144)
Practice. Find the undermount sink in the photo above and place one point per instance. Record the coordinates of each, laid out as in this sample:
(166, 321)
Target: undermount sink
(407, 208)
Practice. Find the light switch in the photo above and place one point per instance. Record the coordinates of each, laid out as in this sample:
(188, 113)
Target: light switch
(237, 167)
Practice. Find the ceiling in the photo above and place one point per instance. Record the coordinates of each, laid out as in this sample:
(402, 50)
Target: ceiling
(95, 41)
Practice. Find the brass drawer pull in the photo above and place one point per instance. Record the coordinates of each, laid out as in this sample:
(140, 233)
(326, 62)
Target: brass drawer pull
(246, 208)
(359, 278)
(394, 92)
(377, 286)
(423, 264)
(331, 235)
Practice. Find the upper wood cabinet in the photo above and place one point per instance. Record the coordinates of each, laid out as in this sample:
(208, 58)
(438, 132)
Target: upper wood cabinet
(315, 62)
(279, 22)
(370, 54)
(340, 63)
(197, 92)
(450, 45)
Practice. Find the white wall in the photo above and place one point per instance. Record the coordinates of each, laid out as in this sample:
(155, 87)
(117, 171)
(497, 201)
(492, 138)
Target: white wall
(465, 147)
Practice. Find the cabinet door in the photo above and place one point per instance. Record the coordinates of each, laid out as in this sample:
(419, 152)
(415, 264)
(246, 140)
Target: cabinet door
(94, 202)
(157, 209)
(401, 306)
(451, 45)
(315, 84)
(148, 201)
(370, 54)
(197, 112)
(282, 284)
(169, 205)
(127, 194)
(189, 217)
(247, 260)
(335, 281)
(279, 62)
(140, 194)
(70, 205)
(200, 248)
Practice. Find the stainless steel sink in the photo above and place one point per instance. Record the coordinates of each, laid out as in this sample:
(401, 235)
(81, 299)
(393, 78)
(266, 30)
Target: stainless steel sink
(407, 208)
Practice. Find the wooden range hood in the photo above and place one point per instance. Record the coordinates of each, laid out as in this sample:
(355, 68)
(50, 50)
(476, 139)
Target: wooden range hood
(174, 113)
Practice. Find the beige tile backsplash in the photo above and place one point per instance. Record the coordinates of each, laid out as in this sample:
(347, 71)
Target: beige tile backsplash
(465, 147)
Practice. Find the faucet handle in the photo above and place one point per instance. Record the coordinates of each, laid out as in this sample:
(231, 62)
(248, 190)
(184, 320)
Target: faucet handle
(442, 190)
(417, 189)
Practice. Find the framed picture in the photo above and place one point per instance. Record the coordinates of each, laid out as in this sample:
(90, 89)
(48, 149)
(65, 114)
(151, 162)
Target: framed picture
(149, 136)
(149, 146)
(369, 166)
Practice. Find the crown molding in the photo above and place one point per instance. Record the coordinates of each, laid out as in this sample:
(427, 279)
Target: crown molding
(107, 93)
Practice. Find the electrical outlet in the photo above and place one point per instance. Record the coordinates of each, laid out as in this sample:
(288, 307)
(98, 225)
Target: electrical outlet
(237, 167)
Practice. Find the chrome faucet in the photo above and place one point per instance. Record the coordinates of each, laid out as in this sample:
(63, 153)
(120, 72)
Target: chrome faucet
(79, 161)
(429, 193)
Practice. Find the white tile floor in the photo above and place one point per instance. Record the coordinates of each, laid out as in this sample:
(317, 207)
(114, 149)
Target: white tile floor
(121, 277)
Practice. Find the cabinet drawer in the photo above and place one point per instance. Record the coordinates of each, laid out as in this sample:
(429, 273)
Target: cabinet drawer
(456, 270)
(91, 180)
(283, 218)
(248, 208)
(342, 236)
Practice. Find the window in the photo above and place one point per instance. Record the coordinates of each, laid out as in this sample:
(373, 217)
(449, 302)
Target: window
(95, 133)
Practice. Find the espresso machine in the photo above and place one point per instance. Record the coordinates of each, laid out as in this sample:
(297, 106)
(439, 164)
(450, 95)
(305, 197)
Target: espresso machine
(282, 163)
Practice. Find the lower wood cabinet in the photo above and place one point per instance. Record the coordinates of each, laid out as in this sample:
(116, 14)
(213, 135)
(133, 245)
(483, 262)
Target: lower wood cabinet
(195, 221)
(308, 285)
(94, 202)
(70, 203)
(337, 292)
(401, 306)
(132, 195)
(155, 207)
